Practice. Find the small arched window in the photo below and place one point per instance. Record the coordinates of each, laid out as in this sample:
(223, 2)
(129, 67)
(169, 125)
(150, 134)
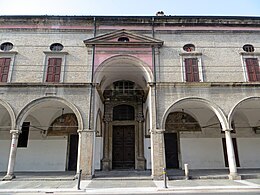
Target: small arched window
(189, 47)
(56, 47)
(123, 39)
(7, 46)
(248, 48)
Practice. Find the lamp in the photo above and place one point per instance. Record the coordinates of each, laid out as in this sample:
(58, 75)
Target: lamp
(61, 119)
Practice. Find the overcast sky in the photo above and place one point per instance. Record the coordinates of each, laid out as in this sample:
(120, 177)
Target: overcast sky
(130, 7)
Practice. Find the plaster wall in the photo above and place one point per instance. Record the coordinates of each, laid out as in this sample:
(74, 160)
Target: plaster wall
(4, 154)
(98, 152)
(147, 152)
(248, 152)
(43, 155)
(202, 153)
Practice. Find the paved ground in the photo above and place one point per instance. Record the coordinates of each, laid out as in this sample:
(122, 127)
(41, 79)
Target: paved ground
(125, 182)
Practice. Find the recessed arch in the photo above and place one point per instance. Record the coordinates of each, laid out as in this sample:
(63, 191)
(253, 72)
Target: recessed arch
(10, 111)
(238, 104)
(213, 107)
(34, 103)
(125, 67)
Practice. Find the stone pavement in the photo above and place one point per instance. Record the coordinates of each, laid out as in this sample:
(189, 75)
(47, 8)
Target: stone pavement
(117, 182)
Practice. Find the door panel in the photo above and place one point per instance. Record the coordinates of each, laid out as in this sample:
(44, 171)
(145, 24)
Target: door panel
(171, 150)
(123, 147)
(73, 152)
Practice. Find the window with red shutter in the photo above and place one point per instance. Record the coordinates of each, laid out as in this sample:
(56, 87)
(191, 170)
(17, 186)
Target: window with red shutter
(53, 70)
(4, 69)
(253, 70)
(191, 70)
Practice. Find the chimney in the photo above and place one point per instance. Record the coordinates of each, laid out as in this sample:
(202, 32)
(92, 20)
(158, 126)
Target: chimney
(160, 13)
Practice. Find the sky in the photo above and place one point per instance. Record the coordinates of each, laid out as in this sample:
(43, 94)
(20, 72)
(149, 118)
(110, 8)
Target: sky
(130, 7)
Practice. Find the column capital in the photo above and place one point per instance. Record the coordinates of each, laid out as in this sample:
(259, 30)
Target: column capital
(157, 131)
(15, 131)
(228, 130)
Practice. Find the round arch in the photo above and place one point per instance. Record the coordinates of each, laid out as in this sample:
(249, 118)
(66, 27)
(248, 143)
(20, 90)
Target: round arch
(10, 112)
(233, 110)
(216, 109)
(127, 67)
(25, 111)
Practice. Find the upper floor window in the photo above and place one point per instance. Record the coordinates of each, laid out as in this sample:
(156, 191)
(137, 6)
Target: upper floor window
(53, 70)
(7, 46)
(189, 47)
(123, 39)
(191, 64)
(191, 69)
(124, 87)
(248, 48)
(4, 69)
(56, 47)
(253, 70)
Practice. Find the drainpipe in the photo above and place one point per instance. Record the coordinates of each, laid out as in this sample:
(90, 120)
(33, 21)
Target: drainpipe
(154, 79)
(92, 75)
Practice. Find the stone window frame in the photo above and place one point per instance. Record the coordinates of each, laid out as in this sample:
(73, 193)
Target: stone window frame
(244, 56)
(192, 54)
(55, 54)
(12, 55)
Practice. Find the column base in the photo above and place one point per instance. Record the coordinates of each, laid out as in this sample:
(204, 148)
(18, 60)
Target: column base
(8, 177)
(140, 164)
(234, 176)
(86, 177)
(106, 164)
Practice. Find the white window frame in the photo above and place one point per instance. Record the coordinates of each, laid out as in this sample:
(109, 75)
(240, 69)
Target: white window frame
(187, 55)
(244, 56)
(55, 54)
(12, 55)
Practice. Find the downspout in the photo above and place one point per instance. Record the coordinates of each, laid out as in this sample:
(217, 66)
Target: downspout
(154, 78)
(92, 75)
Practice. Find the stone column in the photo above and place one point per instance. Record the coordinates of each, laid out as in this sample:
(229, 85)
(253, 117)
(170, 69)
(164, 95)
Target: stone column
(12, 157)
(85, 158)
(140, 152)
(231, 156)
(158, 153)
(106, 162)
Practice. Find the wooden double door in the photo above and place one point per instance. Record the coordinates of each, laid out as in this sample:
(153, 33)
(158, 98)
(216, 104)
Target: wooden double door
(123, 150)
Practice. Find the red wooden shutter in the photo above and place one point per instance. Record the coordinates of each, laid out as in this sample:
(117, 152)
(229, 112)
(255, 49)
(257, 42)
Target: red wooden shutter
(191, 69)
(4, 69)
(53, 70)
(253, 71)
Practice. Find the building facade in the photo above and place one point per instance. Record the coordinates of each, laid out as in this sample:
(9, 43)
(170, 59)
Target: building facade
(118, 92)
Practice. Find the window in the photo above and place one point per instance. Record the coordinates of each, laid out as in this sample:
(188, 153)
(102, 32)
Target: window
(7, 46)
(253, 72)
(248, 48)
(189, 47)
(191, 64)
(56, 47)
(53, 70)
(123, 112)
(124, 87)
(4, 69)
(191, 70)
(123, 39)
(23, 137)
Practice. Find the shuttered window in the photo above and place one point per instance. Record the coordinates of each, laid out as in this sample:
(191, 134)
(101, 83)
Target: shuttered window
(253, 71)
(53, 70)
(191, 70)
(4, 69)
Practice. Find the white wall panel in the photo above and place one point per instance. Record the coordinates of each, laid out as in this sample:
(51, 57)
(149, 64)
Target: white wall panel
(202, 153)
(147, 152)
(4, 154)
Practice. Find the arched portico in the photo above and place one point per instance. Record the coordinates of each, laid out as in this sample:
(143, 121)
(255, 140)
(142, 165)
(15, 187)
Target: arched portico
(244, 120)
(46, 124)
(197, 138)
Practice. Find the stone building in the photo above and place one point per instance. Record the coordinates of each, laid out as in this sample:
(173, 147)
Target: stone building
(119, 92)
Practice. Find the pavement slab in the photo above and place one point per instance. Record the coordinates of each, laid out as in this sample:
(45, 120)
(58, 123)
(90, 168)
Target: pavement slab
(120, 183)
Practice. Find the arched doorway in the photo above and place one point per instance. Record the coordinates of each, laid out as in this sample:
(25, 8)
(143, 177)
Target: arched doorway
(123, 141)
(49, 139)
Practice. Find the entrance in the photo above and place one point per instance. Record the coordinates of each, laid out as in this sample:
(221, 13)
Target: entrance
(73, 152)
(171, 150)
(123, 155)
